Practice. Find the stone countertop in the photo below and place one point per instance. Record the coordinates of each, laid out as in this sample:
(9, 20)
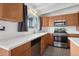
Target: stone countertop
(74, 40)
(9, 43)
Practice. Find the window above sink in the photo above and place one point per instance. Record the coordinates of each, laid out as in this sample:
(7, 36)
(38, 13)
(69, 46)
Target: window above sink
(33, 21)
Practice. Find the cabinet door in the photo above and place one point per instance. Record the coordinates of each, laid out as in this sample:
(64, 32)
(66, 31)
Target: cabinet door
(22, 50)
(44, 43)
(72, 19)
(60, 17)
(77, 27)
(51, 21)
(45, 21)
(50, 39)
(27, 52)
(42, 48)
(13, 11)
(1, 6)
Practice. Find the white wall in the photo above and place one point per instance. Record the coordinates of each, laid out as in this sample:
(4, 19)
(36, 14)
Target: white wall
(9, 26)
(11, 30)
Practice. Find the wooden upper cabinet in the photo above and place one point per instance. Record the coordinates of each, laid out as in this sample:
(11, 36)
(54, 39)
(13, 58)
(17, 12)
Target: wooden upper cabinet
(1, 9)
(45, 21)
(72, 19)
(77, 27)
(11, 11)
(51, 21)
(61, 17)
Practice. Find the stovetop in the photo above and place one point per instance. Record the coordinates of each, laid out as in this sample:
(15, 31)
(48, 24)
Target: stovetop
(60, 32)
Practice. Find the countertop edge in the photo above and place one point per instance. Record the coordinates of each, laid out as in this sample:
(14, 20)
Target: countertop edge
(70, 38)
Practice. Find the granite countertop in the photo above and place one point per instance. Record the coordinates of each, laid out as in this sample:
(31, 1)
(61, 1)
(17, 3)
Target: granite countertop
(14, 41)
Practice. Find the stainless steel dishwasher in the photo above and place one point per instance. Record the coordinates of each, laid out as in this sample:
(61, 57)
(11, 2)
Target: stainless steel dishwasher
(35, 47)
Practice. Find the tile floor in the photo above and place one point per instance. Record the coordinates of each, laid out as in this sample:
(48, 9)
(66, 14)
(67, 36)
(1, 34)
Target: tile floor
(54, 51)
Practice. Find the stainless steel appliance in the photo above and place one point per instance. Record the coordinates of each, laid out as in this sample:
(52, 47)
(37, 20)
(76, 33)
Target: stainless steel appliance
(60, 34)
(60, 39)
(60, 23)
(36, 47)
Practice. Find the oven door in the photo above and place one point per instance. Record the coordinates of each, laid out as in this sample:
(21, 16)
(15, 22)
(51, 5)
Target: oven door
(57, 38)
(62, 39)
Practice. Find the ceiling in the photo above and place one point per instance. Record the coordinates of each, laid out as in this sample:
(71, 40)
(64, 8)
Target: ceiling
(48, 8)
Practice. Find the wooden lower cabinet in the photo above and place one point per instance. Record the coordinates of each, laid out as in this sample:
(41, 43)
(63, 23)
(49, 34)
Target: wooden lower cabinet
(45, 41)
(42, 45)
(23, 50)
(74, 49)
(50, 39)
(28, 52)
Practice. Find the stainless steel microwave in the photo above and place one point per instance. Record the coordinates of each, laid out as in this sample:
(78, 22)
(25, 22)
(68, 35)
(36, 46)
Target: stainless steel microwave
(60, 23)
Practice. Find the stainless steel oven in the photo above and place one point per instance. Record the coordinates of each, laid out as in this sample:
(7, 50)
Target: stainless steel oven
(60, 39)
(60, 34)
